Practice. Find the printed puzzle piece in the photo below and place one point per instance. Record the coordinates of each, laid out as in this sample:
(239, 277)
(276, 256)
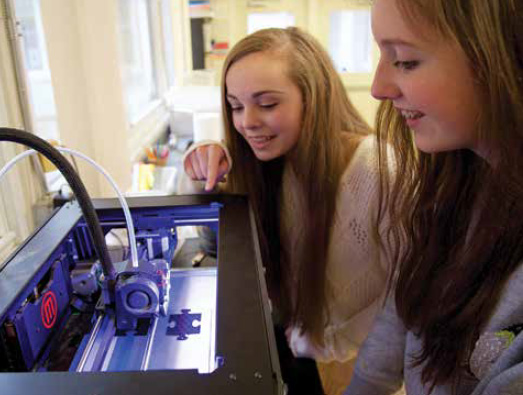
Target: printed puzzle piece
(184, 324)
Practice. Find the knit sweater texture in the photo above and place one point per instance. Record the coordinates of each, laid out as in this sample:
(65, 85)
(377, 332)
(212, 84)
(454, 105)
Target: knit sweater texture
(356, 271)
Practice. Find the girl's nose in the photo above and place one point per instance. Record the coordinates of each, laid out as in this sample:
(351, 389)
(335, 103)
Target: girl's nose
(384, 86)
(251, 120)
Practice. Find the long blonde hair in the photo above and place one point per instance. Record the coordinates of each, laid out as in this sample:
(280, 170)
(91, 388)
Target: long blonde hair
(318, 161)
(459, 216)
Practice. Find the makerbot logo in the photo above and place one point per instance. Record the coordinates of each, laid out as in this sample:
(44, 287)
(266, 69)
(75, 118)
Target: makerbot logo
(49, 310)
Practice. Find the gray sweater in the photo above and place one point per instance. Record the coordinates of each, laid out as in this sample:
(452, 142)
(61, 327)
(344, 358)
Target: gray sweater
(384, 361)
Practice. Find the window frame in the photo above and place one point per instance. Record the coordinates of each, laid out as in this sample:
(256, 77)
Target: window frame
(361, 81)
(18, 190)
(134, 115)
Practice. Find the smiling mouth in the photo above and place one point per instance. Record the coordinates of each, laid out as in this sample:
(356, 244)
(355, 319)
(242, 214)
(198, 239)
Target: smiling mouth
(261, 139)
(411, 115)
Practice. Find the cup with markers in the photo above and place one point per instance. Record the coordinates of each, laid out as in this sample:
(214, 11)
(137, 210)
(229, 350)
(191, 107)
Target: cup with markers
(157, 155)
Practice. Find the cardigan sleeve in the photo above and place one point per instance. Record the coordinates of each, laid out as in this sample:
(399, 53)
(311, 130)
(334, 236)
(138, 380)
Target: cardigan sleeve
(341, 342)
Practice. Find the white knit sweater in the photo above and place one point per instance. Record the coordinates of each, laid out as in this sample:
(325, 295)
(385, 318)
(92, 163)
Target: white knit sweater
(356, 271)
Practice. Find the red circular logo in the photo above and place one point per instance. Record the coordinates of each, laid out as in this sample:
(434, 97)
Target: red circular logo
(49, 310)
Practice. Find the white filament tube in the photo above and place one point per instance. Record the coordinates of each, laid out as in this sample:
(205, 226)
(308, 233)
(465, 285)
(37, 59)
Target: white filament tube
(121, 198)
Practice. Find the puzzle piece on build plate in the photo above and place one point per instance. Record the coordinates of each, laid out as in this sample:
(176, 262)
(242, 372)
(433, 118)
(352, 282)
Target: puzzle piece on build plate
(184, 324)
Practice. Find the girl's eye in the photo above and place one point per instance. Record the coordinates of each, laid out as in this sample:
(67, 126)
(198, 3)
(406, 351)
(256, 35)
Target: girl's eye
(406, 65)
(268, 105)
(236, 108)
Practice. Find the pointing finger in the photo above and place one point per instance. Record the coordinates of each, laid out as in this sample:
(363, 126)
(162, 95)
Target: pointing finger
(215, 155)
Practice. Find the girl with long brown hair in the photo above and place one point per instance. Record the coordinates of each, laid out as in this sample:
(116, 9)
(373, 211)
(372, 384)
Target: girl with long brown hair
(451, 80)
(306, 159)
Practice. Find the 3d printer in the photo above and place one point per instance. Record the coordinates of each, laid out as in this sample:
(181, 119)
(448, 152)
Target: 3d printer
(71, 323)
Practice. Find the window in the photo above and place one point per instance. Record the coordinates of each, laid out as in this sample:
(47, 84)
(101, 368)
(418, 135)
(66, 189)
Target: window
(137, 57)
(18, 190)
(7, 236)
(15, 224)
(36, 69)
(350, 41)
(168, 41)
(263, 20)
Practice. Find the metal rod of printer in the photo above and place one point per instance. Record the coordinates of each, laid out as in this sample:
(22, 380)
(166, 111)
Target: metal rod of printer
(149, 346)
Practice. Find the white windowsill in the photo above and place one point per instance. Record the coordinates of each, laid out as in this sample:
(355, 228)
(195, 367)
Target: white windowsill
(146, 112)
(7, 246)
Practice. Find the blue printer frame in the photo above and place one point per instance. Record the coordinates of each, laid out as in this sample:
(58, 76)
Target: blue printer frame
(245, 349)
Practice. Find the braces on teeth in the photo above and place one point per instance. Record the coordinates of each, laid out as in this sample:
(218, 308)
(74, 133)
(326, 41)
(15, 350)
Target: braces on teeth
(411, 114)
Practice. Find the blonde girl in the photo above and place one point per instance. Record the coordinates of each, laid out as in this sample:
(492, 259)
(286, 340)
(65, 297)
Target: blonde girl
(297, 147)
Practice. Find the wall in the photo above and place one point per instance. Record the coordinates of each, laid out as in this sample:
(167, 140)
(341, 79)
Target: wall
(229, 24)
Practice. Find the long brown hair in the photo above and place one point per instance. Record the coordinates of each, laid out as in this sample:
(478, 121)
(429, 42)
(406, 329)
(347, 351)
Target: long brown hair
(459, 216)
(318, 161)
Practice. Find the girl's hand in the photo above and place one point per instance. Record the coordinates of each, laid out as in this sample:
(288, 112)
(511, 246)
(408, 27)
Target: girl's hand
(208, 163)
(288, 334)
(300, 344)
